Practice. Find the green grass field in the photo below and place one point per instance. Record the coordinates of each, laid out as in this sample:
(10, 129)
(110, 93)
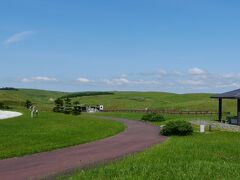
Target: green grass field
(121, 100)
(138, 116)
(23, 135)
(214, 155)
(43, 99)
(201, 156)
(158, 100)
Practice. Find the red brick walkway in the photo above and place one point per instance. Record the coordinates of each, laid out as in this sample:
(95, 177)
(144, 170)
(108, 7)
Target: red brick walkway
(137, 137)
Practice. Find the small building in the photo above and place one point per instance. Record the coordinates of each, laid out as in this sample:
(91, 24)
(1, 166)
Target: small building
(235, 95)
(94, 109)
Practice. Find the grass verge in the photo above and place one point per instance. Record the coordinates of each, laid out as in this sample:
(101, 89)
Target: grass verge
(23, 135)
(201, 156)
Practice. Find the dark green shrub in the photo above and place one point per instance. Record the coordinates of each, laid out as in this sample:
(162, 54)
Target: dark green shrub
(153, 117)
(1, 105)
(58, 109)
(179, 128)
(76, 110)
(158, 117)
(67, 110)
(58, 105)
(68, 106)
(28, 104)
(147, 117)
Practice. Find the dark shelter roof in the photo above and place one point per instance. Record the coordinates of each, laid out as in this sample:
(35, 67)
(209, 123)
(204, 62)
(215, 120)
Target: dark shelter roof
(228, 95)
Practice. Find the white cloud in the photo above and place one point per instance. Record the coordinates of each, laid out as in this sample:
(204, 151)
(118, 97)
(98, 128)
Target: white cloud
(195, 79)
(146, 82)
(84, 80)
(192, 82)
(39, 78)
(162, 72)
(125, 81)
(235, 76)
(117, 81)
(196, 72)
(18, 37)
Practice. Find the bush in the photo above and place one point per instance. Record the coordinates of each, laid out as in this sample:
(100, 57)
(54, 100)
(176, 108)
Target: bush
(147, 117)
(3, 106)
(158, 117)
(153, 117)
(67, 110)
(76, 110)
(58, 109)
(179, 128)
(28, 104)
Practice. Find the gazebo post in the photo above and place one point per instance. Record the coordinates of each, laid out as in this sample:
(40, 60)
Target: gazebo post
(238, 111)
(220, 110)
(229, 95)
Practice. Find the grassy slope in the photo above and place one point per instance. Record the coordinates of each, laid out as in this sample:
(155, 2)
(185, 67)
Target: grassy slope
(122, 100)
(41, 98)
(210, 156)
(156, 100)
(23, 135)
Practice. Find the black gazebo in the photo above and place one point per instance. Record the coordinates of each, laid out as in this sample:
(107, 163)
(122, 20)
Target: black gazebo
(228, 95)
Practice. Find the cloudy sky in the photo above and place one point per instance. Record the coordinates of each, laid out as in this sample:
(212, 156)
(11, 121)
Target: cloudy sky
(159, 45)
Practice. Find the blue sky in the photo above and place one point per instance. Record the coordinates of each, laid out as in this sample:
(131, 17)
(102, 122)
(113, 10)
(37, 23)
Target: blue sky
(157, 45)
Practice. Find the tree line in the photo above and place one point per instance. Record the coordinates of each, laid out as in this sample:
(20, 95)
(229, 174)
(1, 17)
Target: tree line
(67, 107)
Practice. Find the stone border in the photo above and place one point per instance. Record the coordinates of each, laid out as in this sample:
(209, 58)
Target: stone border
(219, 126)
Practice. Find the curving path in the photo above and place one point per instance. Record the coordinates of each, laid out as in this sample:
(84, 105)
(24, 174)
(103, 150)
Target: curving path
(137, 137)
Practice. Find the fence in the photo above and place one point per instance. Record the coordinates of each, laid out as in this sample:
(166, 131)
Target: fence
(166, 112)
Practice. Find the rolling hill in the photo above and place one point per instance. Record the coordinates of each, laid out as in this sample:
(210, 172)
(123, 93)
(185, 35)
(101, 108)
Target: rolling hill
(119, 100)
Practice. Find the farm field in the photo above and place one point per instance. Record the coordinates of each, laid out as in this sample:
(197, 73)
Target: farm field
(23, 135)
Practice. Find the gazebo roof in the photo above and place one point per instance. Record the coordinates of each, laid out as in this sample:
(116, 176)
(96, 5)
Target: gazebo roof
(228, 95)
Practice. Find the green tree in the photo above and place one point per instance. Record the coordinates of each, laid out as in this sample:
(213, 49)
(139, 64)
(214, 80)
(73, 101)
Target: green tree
(76, 103)
(76, 110)
(68, 106)
(58, 105)
(28, 104)
(1, 105)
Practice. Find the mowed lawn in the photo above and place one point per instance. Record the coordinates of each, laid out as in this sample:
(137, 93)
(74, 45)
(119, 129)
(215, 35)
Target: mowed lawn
(214, 155)
(23, 135)
(168, 117)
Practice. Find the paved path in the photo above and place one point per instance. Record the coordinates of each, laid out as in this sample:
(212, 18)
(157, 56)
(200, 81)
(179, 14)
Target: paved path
(137, 137)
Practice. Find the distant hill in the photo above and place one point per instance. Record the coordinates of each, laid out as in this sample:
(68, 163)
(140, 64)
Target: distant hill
(119, 100)
(157, 100)
(81, 94)
(8, 88)
(41, 98)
